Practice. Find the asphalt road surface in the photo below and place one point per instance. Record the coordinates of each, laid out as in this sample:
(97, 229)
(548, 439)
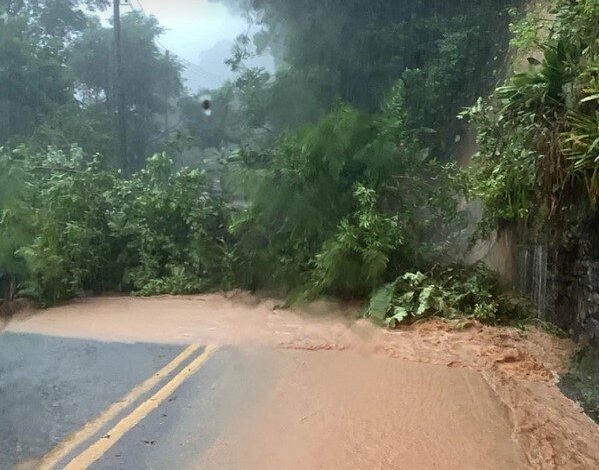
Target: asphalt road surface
(76, 404)
(68, 403)
(216, 383)
(219, 382)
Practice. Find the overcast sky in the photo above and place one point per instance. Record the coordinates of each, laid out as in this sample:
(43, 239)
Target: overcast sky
(193, 27)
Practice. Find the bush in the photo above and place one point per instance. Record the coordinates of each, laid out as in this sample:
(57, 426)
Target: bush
(66, 208)
(344, 205)
(15, 226)
(539, 133)
(170, 229)
(451, 292)
(69, 227)
(357, 258)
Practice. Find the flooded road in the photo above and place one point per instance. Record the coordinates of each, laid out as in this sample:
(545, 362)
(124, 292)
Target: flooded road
(269, 388)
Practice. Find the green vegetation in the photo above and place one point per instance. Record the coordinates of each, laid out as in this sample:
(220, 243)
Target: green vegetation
(448, 292)
(343, 205)
(447, 53)
(581, 383)
(75, 228)
(56, 82)
(539, 133)
(330, 177)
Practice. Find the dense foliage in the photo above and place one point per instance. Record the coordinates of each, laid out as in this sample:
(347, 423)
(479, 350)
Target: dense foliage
(449, 292)
(344, 204)
(447, 53)
(539, 133)
(170, 229)
(151, 82)
(74, 228)
(324, 178)
(57, 80)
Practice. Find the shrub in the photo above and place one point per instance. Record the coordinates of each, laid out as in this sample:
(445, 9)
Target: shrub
(170, 229)
(69, 227)
(451, 292)
(539, 133)
(356, 259)
(71, 248)
(344, 205)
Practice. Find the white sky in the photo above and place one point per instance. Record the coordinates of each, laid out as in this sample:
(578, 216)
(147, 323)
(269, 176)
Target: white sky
(192, 27)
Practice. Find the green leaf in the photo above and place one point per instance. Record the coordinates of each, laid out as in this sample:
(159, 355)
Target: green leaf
(413, 278)
(533, 61)
(381, 302)
(424, 299)
(399, 315)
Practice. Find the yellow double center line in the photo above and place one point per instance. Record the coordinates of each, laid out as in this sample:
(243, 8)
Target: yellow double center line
(99, 447)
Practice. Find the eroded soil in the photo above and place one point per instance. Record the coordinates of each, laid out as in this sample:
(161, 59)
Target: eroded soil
(498, 381)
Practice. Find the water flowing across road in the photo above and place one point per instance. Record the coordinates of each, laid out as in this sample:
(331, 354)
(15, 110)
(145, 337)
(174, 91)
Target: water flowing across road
(230, 381)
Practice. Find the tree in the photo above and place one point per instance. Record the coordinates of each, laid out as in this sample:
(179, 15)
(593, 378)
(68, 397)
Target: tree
(353, 196)
(34, 79)
(353, 51)
(53, 21)
(151, 80)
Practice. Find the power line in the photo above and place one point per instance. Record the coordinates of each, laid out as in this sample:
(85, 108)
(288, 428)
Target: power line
(141, 7)
(183, 61)
(143, 12)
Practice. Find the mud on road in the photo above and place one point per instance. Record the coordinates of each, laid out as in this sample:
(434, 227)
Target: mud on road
(348, 393)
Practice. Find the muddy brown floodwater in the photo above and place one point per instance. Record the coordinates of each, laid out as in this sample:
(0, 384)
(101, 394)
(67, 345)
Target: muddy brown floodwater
(352, 395)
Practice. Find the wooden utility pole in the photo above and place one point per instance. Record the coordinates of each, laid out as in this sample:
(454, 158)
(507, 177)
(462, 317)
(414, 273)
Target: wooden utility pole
(167, 90)
(121, 123)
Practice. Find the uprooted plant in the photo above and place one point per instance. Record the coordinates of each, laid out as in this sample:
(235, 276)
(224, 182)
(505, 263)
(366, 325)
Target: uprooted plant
(449, 292)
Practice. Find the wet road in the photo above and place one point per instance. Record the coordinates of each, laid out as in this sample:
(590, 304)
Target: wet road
(140, 386)
(80, 403)
(68, 403)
